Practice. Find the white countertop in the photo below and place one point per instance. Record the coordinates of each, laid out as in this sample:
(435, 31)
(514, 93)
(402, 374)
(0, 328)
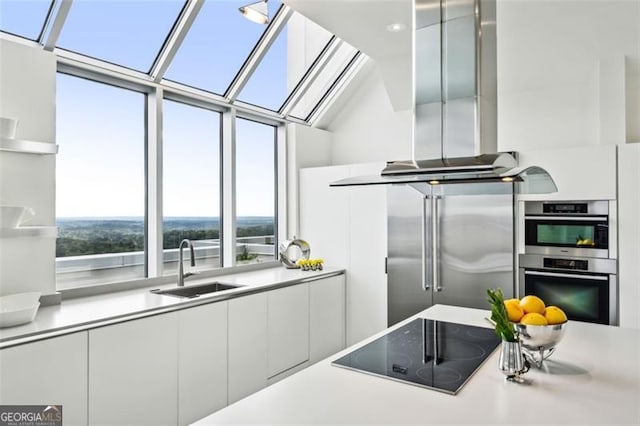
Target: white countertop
(88, 312)
(593, 377)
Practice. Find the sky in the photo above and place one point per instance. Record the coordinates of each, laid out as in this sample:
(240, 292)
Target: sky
(100, 164)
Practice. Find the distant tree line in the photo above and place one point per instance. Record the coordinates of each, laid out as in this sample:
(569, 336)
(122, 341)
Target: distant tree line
(97, 237)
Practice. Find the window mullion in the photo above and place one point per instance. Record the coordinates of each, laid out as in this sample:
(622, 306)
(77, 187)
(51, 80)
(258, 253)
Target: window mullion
(175, 39)
(54, 24)
(336, 89)
(154, 246)
(228, 208)
(258, 53)
(281, 230)
(311, 76)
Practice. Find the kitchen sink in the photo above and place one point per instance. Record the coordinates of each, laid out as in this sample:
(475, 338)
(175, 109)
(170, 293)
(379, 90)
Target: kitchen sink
(195, 290)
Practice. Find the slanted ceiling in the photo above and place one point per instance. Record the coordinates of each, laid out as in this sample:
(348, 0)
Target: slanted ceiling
(363, 24)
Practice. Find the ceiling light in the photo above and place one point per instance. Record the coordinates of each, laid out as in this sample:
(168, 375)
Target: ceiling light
(507, 179)
(396, 28)
(434, 182)
(257, 12)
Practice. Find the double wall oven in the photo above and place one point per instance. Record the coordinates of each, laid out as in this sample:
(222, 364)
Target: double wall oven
(570, 258)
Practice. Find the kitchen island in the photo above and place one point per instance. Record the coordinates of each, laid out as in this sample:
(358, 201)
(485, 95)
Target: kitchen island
(594, 377)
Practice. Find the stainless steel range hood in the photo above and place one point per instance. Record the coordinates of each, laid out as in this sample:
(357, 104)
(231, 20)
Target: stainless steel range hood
(455, 120)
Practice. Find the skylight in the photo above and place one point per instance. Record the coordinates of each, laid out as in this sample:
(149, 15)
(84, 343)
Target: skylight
(285, 67)
(216, 46)
(326, 79)
(128, 33)
(24, 18)
(277, 75)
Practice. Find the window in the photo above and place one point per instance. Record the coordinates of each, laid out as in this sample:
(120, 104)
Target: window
(191, 184)
(100, 211)
(24, 18)
(216, 46)
(285, 63)
(325, 80)
(255, 192)
(129, 33)
(112, 120)
(267, 86)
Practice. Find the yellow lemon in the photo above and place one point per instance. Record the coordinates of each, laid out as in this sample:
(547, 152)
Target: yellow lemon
(533, 318)
(514, 310)
(532, 304)
(555, 315)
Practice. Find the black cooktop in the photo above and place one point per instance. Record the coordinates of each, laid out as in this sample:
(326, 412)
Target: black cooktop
(433, 354)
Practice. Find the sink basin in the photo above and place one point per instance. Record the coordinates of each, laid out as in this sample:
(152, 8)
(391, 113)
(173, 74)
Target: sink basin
(195, 290)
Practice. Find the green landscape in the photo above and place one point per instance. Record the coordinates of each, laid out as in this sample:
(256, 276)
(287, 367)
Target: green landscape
(86, 236)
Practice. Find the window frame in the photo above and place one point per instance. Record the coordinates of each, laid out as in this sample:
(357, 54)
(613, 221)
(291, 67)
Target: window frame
(155, 94)
(123, 85)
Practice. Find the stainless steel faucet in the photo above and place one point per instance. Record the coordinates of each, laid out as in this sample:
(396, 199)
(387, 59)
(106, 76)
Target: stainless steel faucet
(181, 274)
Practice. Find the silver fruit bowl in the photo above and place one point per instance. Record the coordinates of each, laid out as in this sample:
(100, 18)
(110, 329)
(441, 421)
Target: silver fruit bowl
(540, 341)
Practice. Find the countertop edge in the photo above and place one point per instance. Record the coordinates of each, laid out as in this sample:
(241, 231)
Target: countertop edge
(175, 304)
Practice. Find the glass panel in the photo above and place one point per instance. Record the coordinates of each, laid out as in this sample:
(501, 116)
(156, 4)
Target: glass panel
(581, 298)
(128, 33)
(24, 17)
(191, 185)
(278, 74)
(564, 234)
(216, 46)
(255, 191)
(324, 81)
(100, 194)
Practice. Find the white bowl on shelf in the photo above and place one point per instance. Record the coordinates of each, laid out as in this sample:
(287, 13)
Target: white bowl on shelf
(17, 309)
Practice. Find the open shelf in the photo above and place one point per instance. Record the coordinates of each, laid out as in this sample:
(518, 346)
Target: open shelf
(29, 231)
(29, 147)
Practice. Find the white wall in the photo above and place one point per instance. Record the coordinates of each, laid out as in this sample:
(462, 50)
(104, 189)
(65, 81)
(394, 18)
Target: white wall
(367, 129)
(27, 92)
(306, 147)
(567, 73)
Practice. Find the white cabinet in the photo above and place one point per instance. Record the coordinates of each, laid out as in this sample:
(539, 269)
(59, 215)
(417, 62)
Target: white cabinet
(580, 173)
(178, 367)
(247, 340)
(288, 328)
(47, 372)
(202, 361)
(347, 226)
(326, 317)
(133, 372)
(629, 234)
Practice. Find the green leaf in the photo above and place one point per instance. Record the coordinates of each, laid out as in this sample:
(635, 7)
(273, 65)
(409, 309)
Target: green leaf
(504, 328)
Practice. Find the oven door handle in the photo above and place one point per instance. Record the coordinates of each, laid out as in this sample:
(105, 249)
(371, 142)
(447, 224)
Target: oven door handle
(577, 276)
(570, 219)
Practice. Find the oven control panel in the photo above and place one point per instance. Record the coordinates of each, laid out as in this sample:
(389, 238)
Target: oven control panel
(565, 208)
(573, 264)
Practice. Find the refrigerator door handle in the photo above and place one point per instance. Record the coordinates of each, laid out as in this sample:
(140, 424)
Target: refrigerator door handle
(425, 249)
(435, 244)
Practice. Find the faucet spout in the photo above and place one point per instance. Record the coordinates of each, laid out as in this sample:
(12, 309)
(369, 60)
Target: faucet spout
(181, 275)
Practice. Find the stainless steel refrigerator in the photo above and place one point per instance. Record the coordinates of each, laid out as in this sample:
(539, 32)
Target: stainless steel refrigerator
(445, 248)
